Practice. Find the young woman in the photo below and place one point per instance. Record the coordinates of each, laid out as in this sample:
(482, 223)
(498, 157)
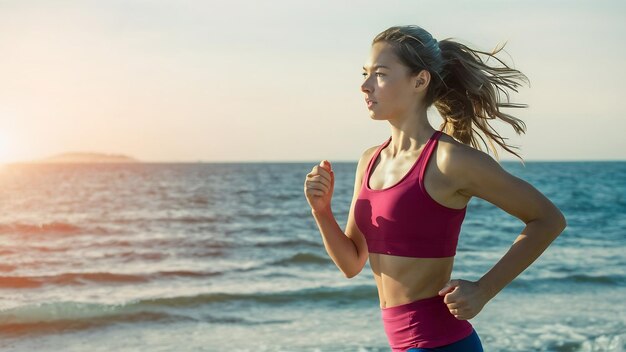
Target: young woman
(411, 191)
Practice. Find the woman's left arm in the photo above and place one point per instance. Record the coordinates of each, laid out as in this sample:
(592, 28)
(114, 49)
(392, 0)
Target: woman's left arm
(483, 177)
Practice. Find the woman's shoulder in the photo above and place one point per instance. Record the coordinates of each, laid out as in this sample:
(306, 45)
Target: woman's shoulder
(462, 162)
(369, 152)
(366, 156)
(455, 151)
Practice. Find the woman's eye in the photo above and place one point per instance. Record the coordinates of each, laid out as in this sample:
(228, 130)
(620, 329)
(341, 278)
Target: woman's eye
(377, 74)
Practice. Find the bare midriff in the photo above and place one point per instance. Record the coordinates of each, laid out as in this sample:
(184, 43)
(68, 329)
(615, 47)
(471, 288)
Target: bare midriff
(402, 280)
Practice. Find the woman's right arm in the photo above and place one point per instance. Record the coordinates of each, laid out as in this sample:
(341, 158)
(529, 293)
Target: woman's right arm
(347, 250)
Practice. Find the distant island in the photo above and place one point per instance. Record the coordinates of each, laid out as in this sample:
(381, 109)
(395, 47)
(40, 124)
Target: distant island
(83, 157)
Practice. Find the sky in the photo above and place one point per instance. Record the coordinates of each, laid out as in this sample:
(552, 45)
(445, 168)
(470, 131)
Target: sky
(273, 81)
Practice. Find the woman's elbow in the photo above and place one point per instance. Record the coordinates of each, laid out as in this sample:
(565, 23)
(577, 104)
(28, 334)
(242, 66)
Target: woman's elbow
(564, 224)
(561, 221)
(350, 275)
(355, 271)
(557, 223)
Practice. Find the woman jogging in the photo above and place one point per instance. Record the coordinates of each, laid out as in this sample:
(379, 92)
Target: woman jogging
(411, 191)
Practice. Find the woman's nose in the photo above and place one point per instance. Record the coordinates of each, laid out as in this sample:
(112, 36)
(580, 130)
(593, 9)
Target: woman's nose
(365, 87)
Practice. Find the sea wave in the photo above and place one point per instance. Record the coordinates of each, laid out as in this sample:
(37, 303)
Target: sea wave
(96, 277)
(61, 316)
(303, 258)
(50, 318)
(42, 228)
(288, 243)
(557, 282)
(329, 294)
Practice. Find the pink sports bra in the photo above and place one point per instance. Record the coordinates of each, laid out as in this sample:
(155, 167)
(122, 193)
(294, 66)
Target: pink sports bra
(403, 219)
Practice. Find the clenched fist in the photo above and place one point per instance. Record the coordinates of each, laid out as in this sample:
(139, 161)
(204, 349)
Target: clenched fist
(319, 186)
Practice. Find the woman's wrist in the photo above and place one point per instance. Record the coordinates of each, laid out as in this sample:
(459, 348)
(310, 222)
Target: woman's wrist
(322, 212)
(486, 290)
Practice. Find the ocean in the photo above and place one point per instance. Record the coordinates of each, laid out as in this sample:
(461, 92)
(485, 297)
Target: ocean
(226, 257)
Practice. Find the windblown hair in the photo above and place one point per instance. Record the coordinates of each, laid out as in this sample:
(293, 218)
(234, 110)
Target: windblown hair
(464, 89)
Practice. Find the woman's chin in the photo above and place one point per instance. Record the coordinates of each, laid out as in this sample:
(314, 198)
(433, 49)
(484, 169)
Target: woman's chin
(375, 116)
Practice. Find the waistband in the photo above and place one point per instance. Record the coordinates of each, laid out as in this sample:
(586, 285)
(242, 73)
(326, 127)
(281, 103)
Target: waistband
(423, 323)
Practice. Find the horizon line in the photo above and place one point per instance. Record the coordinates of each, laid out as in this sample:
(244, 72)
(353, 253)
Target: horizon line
(266, 161)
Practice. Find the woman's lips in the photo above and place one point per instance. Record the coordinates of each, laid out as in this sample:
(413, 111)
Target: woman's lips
(370, 104)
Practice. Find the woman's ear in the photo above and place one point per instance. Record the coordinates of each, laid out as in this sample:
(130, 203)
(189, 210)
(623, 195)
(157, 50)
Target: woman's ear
(422, 79)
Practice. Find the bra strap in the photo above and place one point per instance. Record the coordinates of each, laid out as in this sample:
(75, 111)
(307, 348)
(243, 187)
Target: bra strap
(430, 147)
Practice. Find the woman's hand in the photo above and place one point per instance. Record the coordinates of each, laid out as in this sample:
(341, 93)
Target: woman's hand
(319, 186)
(464, 299)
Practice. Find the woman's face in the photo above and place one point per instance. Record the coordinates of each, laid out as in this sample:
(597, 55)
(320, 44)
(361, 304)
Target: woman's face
(388, 87)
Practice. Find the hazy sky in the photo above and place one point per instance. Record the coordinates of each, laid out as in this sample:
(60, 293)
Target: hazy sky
(279, 80)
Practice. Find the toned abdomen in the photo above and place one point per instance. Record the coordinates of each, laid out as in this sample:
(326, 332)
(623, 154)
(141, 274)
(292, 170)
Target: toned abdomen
(402, 280)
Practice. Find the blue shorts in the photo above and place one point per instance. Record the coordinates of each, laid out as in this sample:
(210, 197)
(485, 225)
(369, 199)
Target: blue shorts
(468, 344)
